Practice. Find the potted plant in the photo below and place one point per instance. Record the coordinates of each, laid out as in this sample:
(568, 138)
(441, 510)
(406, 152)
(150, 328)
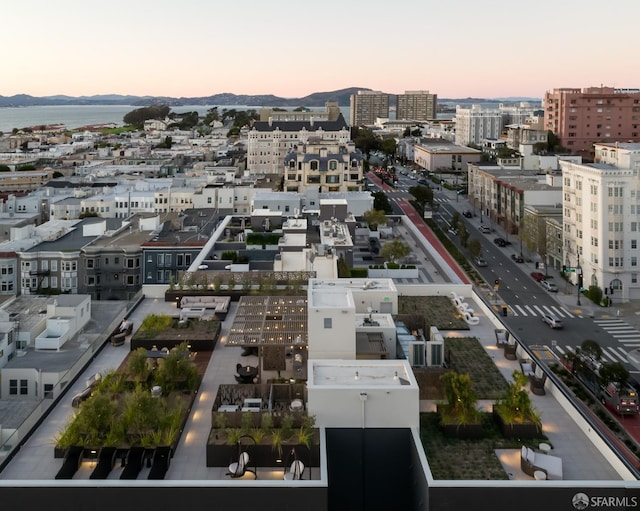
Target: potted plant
(514, 412)
(459, 416)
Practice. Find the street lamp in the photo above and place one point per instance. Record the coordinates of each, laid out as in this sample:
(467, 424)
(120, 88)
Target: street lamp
(578, 278)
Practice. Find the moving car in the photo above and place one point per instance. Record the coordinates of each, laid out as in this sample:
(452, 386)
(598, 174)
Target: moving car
(422, 181)
(549, 286)
(517, 258)
(501, 242)
(467, 214)
(552, 321)
(480, 261)
(452, 231)
(485, 229)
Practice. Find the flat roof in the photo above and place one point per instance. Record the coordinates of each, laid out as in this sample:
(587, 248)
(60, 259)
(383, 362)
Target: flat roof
(365, 373)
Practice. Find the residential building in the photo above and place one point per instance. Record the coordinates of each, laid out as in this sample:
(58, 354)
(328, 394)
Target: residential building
(601, 219)
(433, 155)
(51, 266)
(537, 233)
(175, 245)
(474, 123)
(269, 141)
(367, 106)
(418, 105)
(501, 194)
(332, 167)
(583, 117)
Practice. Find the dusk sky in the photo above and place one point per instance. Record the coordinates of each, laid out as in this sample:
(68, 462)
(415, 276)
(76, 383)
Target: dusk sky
(186, 48)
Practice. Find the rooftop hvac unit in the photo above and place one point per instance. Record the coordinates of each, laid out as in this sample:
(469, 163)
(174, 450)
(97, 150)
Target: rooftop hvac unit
(417, 355)
(435, 353)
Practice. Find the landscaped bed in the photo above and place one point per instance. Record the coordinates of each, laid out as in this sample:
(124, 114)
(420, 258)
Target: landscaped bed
(425, 311)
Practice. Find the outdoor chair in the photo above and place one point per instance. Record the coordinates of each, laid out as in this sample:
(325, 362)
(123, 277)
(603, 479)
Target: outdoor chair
(295, 471)
(238, 468)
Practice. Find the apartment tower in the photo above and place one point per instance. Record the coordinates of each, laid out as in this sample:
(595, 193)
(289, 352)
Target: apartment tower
(367, 106)
(418, 105)
(582, 117)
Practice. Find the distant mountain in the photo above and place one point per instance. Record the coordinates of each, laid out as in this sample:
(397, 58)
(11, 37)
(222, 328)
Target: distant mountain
(317, 99)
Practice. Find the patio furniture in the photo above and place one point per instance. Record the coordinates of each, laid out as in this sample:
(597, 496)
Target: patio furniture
(295, 471)
(238, 468)
(160, 462)
(133, 463)
(106, 462)
(531, 461)
(247, 373)
(71, 463)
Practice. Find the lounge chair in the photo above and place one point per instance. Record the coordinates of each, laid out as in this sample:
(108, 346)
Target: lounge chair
(295, 471)
(106, 462)
(238, 468)
(134, 463)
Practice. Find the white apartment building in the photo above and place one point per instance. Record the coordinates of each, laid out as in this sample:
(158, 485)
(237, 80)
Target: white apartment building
(601, 219)
(475, 123)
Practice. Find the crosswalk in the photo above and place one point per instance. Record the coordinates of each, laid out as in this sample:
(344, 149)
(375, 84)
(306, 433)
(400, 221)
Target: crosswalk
(541, 310)
(627, 335)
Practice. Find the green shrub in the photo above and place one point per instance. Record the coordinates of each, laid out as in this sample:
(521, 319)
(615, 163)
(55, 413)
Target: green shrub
(359, 273)
(229, 255)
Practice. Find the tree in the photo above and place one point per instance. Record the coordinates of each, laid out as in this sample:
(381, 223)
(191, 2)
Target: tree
(211, 116)
(394, 250)
(138, 116)
(381, 202)
(474, 247)
(455, 220)
(388, 147)
(374, 218)
(614, 372)
(463, 233)
(365, 140)
(422, 194)
(5, 168)
(591, 348)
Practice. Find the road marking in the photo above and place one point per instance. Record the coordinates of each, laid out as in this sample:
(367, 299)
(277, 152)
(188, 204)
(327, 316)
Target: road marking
(533, 313)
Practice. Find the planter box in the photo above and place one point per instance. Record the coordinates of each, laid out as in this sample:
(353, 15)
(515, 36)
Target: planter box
(261, 455)
(523, 430)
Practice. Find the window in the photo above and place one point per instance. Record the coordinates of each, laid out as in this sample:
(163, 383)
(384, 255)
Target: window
(634, 243)
(24, 387)
(13, 387)
(634, 278)
(328, 323)
(90, 263)
(130, 280)
(48, 390)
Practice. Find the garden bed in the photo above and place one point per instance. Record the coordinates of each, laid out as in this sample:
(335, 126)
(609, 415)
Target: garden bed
(426, 311)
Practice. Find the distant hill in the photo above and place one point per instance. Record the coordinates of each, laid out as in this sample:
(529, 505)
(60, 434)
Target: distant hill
(317, 99)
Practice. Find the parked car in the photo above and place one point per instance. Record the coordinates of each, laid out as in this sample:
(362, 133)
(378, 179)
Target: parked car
(517, 258)
(537, 276)
(552, 321)
(467, 214)
(423, 181)
(452, 231)
(501, 242)
(549, 286)
(480, 261)
(485, 229)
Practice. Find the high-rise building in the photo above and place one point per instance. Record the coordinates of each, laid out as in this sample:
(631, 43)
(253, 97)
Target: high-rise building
(582, 117)
(367, 106)
(475, 123)
(417, 105)
(601, 219)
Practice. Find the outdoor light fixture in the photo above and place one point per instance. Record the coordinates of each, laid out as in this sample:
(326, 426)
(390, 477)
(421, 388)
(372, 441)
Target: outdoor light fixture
(357, 376)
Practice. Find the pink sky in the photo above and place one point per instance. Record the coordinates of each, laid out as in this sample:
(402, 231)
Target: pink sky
(193, 48)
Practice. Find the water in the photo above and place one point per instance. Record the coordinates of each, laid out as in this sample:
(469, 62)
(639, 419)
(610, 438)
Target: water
(77, 116)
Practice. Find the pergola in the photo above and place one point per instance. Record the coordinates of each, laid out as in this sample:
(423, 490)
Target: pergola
(277, 327)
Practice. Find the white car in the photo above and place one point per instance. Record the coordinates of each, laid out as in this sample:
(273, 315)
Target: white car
(549, 286)
(485, 229)
(552, 321)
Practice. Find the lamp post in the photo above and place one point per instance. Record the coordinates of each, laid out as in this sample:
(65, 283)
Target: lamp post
(578, 278)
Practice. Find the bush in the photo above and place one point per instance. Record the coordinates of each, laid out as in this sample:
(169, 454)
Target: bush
(229, 255)
(359, 273)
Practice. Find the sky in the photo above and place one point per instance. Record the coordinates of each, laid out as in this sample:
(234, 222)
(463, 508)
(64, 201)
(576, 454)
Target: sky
(192, 48)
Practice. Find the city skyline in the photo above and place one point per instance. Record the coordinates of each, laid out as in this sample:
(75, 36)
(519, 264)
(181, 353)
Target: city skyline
(191, 49)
